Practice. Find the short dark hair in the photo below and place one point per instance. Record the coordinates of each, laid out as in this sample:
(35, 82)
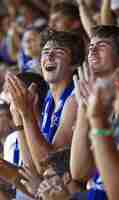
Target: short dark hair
(107, 31)
(72, 40)
(67, 9)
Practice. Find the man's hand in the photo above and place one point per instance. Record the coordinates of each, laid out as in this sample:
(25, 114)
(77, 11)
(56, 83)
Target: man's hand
(10, 173)
(32, 179)
(83, 86)
(52, 187)
(20, 95)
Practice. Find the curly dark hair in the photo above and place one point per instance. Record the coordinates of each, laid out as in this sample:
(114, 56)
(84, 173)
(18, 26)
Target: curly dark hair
(72, 40)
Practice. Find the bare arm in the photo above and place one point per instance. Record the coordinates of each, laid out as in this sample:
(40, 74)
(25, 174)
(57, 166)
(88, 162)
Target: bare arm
(81, 163)
(38, 146)
(86, 17)
(107, 159)
(63, 135)
(106, 13)
(24, 149)
(105, 150)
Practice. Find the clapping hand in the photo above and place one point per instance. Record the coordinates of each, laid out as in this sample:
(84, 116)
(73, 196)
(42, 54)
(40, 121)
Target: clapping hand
(83, 85)
(10, 173)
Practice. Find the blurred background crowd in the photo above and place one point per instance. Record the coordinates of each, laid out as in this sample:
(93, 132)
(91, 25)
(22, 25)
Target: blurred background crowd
(21, 25)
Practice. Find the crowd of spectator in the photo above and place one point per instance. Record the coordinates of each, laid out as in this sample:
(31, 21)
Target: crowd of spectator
(59, 99)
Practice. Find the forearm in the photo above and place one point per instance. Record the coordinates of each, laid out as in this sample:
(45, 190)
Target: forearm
(107, 160)
(106, 13)
(25, 153)
(38, 146)
(81, 156)
(86, 18)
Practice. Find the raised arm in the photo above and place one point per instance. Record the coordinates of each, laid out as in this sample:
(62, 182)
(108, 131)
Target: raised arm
(104, 146)
(37, 144)
(22, 100)
(86, 17)
(81, 163)
(106, 13)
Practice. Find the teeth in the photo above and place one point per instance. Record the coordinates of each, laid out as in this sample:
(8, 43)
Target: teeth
(50, 68)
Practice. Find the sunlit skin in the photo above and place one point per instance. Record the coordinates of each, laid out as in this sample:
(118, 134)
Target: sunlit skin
(56, 63)
(102, 57)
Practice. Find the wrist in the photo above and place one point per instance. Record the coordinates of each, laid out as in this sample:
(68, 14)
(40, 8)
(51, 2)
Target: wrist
(81, 3)
(97, 123)
(19, 127)
(101, 132)
(26, 113)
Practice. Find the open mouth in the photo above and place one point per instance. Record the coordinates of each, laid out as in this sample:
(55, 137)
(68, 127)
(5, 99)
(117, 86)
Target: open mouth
(50, 68)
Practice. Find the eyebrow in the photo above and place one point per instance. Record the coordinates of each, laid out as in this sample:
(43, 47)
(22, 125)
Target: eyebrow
(59, 48)
(64, 49)
(102, 41)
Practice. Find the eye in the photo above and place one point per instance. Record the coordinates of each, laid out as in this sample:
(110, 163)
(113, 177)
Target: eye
(60, 52)
(45, 52)
(102, 46)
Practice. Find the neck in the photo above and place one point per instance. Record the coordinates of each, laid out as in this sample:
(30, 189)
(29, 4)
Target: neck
(58, 88)
(106, 75)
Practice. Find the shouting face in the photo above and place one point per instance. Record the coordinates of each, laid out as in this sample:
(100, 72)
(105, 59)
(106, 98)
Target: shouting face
(101, 56)
(56, 62)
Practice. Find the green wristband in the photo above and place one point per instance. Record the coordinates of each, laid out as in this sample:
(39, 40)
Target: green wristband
(102, 132)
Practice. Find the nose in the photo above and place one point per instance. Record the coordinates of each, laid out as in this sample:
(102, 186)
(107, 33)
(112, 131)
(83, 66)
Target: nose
(51, 55)
(93, 48)
(92, 51)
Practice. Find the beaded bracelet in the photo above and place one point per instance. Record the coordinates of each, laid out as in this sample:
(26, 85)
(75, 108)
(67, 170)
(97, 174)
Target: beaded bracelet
(102, 132)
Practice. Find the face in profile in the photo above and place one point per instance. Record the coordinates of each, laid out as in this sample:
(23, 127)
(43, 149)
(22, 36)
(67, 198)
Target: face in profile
(101, 56)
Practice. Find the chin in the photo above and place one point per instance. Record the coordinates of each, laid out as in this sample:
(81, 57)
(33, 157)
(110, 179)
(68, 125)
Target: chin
(51, 81)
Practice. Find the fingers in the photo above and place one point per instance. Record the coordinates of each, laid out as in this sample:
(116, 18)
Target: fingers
(15, 85)
(80, 74)
(22, 186)
(33, 89)
(85, 70)
(77, 89)
(80, 90)
(24, 174)
(12, 94)
(91, 75)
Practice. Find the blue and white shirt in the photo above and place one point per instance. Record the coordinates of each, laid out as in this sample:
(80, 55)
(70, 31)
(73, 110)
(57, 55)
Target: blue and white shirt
(52, 114)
